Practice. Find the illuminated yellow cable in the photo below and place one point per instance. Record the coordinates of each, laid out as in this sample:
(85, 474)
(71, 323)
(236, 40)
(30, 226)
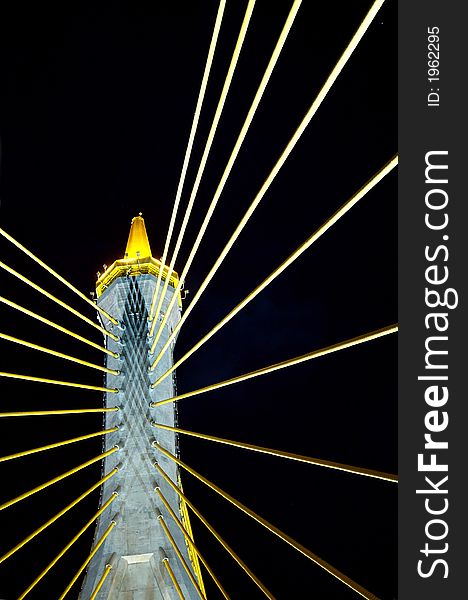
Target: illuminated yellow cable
(282, 159)
(81, 438)
(185, 518)
(69, 545)
(15, 340)
(173, 578)
(203, 161)
(43, 413)
(57, 516)
(285, 264)
(215, 534)
(57, 382)
(190, 541)
(56, 326)
(367, 337)
(101, 581)
(280, 453)
(64, 305)
(58, 478)
(56, 275)
(188, 151)
(99, 543)
(243, 133)
(283, 536)
(179, 555)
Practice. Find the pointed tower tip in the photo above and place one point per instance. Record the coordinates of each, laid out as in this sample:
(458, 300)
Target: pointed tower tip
(138, 244)
(137, 260)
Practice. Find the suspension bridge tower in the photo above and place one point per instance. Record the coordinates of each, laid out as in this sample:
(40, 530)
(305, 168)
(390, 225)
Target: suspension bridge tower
(143, 541)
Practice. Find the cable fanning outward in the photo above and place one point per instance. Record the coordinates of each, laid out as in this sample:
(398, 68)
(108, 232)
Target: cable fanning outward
(204, 159)
(179, 556)
(242, 135)
(64, 305)
(367, 337)
(82, 386)
(286, 152)
(290, 455)
(190, 541)
(98, 544)
(10, 338)
(69, 545)
(58, 515)
(168, 568)
(45, 413)
(43, 486)
(213, 531)
(81, 438)
(108, 568)
(283, 536)
(188, 151)
(56, 275)
(285, 264)
(54, 325)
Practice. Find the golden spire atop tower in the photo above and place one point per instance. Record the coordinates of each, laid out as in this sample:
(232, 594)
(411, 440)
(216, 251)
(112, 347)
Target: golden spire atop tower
(137, 260)
(138, 245)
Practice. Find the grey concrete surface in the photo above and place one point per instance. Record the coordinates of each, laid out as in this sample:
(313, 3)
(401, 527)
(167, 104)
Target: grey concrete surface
(137, 543)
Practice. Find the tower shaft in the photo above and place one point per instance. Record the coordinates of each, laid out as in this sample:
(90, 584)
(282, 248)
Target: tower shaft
(138, 544)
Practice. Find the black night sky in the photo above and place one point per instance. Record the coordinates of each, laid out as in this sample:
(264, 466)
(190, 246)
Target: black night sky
(96, 106)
